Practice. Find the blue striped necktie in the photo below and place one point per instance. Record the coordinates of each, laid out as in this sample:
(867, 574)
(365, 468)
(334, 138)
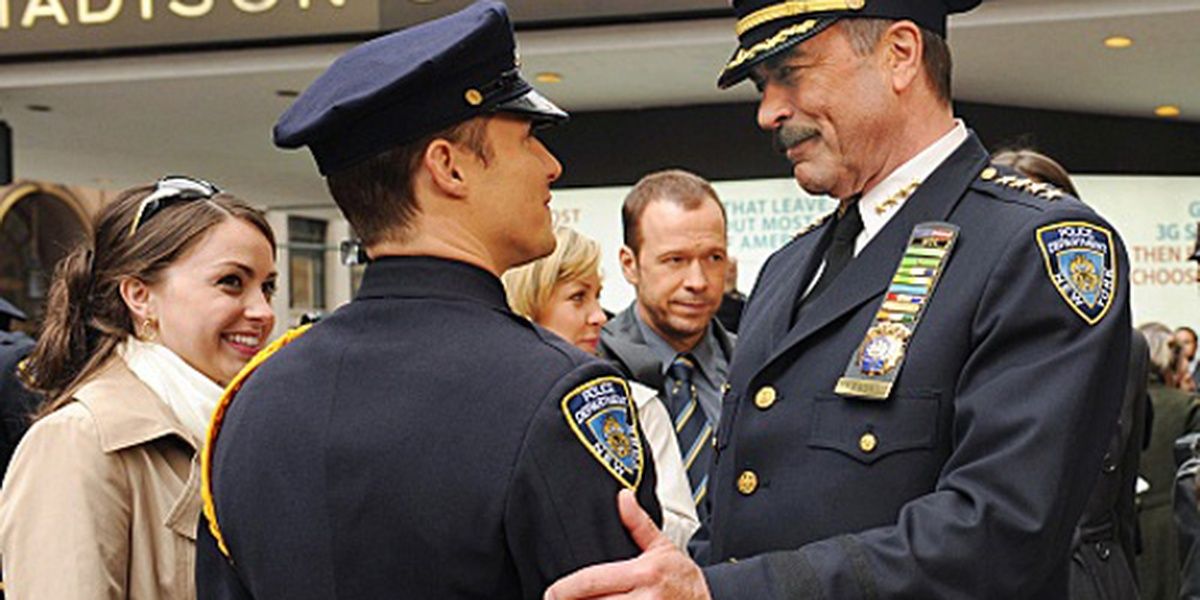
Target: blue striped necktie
(692, 427)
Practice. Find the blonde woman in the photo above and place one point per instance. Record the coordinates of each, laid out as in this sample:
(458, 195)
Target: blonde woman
(561, 292)
(146, 322)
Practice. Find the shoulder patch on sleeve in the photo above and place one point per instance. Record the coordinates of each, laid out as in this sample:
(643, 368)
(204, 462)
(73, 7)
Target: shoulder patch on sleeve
(1082, 265)
(602, 416)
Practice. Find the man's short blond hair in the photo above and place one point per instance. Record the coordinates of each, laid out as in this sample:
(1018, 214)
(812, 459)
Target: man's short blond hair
(529, 286)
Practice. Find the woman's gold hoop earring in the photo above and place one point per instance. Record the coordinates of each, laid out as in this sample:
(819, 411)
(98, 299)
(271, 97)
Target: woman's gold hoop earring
(150, 330)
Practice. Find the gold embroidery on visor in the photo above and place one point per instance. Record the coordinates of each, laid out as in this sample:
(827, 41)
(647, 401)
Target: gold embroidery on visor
(745, 54)
(794, 8)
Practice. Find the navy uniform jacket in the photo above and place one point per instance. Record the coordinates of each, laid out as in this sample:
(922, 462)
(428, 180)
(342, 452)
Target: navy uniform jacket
(412, 445)
(16, 402)
(983, 454)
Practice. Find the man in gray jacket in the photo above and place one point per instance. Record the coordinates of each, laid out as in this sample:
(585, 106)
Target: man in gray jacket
(669, 338)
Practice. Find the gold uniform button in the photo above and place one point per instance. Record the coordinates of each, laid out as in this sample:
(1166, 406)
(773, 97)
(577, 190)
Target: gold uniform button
(473, 97)
(989, 174)
(747, 483)
(868, 442)
(765, 397)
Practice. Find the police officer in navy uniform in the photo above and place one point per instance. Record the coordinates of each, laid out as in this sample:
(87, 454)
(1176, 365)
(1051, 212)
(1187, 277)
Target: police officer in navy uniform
(16, 402)
(926, 381)
(423, 441)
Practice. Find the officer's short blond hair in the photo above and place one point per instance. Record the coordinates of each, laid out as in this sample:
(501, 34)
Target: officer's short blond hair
(529, 286)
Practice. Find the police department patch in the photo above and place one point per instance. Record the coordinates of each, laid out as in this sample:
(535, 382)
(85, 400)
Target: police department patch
(602, 416)
(1082, 264)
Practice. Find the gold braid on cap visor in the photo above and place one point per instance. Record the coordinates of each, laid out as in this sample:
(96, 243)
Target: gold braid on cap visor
(785, 34)
(793, 8)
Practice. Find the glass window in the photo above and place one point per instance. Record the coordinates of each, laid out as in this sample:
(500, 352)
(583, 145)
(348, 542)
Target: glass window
(35, 233)
(306, 263)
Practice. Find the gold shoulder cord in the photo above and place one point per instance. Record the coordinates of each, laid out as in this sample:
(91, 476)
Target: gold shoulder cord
(214, 428)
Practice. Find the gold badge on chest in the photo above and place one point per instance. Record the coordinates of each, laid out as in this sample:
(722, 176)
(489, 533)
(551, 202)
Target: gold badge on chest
(883, 349)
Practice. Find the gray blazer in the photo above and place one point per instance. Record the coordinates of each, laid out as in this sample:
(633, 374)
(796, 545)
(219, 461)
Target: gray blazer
(622, 342)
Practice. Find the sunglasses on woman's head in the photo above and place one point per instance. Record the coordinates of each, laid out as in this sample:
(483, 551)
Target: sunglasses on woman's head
(170, 190)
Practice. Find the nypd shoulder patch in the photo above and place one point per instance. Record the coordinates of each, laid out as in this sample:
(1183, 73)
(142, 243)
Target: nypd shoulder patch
(603, 417)
(1082, 264)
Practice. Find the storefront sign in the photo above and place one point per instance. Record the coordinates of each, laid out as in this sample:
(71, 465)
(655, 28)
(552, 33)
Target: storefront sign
(59, 26)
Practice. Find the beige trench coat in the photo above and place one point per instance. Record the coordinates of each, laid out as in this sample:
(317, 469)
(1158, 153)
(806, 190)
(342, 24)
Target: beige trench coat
(102, 499)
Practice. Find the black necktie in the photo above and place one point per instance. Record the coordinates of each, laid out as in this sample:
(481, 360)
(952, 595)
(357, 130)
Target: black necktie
(837, 255)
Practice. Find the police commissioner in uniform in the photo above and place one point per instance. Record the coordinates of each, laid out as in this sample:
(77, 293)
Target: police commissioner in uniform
(931, 424)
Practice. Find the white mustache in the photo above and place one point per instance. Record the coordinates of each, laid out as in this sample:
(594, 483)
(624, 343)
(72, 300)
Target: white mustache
(788, 136)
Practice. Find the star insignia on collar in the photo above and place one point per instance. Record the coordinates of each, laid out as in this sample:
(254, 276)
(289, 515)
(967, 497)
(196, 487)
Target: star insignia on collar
(895, 199)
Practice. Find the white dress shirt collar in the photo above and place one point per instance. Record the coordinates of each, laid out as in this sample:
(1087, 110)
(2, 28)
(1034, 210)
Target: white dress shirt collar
(884, 200)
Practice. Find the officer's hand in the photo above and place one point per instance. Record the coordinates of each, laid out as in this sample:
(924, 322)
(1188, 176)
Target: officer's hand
(661, 572)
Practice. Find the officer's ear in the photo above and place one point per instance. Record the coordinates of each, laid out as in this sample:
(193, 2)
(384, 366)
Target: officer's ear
(629, 266)
(444, 161)
(903, 54)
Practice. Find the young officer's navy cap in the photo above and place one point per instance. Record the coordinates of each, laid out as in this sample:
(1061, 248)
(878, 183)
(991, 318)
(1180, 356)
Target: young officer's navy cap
(394, 89)
(766, 28)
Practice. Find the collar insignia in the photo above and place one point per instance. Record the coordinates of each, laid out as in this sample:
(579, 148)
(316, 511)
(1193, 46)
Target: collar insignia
(895, 199)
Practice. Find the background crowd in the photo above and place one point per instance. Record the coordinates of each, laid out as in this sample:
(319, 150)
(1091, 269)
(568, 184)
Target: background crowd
(136, 474)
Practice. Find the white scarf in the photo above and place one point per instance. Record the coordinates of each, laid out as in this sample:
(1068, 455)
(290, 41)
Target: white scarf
(190, 395)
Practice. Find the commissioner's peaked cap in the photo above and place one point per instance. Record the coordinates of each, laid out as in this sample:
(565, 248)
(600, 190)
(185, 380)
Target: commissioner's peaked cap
(766, 28)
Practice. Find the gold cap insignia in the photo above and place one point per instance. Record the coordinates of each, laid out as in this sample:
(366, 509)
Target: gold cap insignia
(794, 8)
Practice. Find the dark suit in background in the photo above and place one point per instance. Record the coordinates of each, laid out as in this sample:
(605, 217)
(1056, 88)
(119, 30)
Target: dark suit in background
(1176, 413)
(1103, 554)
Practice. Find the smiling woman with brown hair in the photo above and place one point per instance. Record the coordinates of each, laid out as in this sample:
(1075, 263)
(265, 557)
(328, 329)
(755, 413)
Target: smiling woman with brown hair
(147, 320)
